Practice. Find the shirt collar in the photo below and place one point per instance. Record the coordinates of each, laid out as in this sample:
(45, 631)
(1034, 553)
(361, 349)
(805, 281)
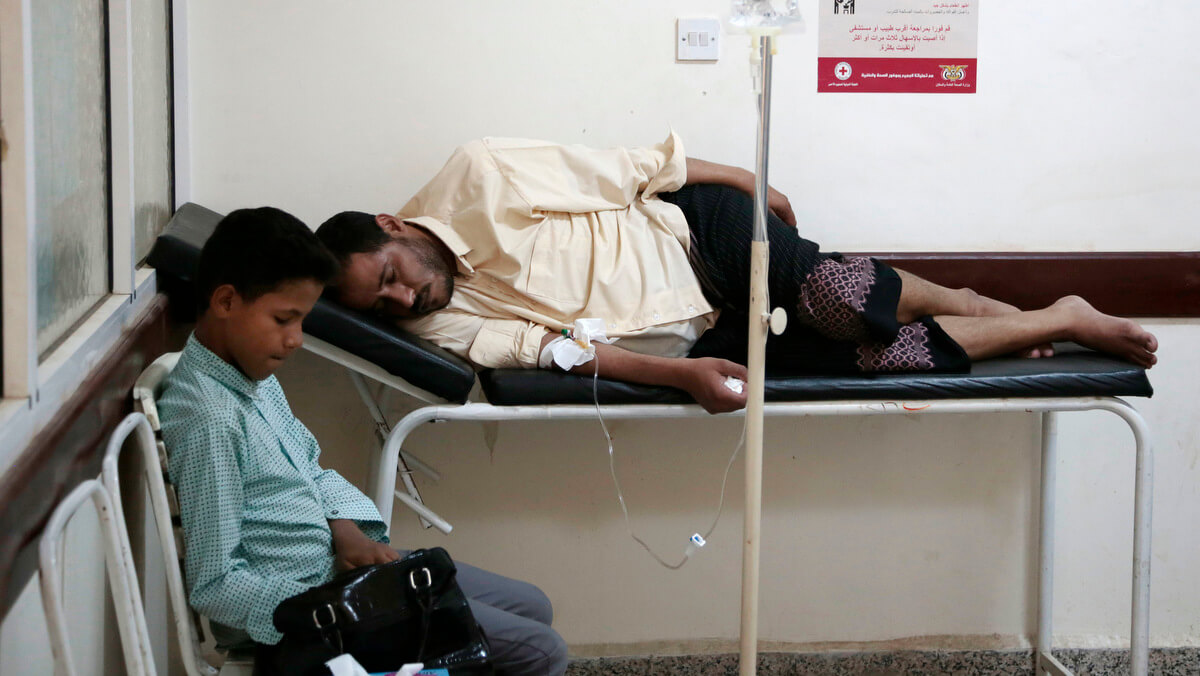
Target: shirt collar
(207, 362)
(449, 237)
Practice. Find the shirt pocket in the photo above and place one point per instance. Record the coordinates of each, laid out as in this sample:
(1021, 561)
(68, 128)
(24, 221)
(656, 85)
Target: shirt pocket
(560, 264)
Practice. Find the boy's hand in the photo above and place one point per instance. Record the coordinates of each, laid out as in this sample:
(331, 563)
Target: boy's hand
(352, 549)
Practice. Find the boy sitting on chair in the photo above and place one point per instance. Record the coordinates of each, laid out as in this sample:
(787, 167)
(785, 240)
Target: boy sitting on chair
(262, 520)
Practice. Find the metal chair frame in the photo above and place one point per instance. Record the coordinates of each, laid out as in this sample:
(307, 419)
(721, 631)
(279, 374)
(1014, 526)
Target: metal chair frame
(131, 621)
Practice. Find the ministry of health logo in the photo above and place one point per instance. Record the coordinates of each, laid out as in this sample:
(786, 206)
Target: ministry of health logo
(953, 73)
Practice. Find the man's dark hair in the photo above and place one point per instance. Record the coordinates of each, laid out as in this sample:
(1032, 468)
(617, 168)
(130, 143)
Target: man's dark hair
(257, 250)
(352, 232)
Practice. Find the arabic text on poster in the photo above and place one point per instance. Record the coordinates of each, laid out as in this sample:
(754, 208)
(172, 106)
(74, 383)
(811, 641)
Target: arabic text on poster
(906, 46)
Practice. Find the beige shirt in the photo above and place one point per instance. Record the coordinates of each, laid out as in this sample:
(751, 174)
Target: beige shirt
(545, 234)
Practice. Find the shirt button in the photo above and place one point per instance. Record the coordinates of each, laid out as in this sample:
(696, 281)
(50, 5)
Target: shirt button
(612, 326)
(334, 512)
(692, 308)
(656, 315)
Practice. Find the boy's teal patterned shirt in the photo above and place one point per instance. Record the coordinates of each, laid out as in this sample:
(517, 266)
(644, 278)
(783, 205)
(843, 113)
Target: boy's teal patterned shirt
(255, 504)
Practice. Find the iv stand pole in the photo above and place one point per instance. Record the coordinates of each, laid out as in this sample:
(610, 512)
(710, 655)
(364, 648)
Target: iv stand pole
(756, 363)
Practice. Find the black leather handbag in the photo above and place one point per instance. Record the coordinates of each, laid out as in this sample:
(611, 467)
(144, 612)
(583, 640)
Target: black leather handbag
(386, 615)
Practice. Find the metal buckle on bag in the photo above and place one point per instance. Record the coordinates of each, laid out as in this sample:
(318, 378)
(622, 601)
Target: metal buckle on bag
(316, 615)
(412, 578)
(324, 628)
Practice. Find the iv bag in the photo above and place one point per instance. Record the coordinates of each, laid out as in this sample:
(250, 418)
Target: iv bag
(767, 14)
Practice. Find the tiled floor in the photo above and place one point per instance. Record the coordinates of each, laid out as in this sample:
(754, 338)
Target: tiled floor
(1163, 662)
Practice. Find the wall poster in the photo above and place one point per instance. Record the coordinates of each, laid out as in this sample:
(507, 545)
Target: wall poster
(898, 46)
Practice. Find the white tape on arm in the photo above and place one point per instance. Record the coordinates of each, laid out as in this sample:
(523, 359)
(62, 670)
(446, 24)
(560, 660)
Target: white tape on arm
(578, 349)
(565, 353)
(546, 358)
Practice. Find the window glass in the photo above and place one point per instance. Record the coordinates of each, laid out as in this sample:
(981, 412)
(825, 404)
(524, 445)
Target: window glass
(70, 141)
(152, 166)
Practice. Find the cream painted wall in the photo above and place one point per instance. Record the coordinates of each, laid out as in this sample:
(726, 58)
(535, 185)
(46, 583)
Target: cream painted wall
(1081, 138)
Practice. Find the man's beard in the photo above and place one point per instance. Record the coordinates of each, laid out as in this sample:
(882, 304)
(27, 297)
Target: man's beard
(427, 254)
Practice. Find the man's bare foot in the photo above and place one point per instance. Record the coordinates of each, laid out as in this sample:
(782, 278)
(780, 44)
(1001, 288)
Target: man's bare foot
(1117, 336)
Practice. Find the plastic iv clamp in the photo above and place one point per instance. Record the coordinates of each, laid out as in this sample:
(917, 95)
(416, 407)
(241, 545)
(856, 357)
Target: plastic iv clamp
(695, 542)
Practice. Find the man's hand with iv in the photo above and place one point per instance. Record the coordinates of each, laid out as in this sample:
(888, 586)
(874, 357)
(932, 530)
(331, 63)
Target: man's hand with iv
(352, 549)
(704, 378)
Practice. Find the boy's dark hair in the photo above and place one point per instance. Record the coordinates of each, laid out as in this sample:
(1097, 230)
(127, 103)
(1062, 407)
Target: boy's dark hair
(257, 250)
(352, 232)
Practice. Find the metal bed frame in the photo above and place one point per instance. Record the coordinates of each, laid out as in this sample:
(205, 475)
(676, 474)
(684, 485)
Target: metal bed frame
(393, 461)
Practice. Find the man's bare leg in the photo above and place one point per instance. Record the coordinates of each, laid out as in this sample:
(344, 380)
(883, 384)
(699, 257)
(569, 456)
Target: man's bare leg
(1070, 318)
(920, 297)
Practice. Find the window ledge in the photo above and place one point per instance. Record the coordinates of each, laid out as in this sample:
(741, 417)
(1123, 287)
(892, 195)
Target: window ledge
(64, 369)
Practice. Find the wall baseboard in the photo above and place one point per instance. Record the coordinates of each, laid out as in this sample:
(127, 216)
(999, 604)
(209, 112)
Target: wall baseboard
(1083, 661)
(1122, 283)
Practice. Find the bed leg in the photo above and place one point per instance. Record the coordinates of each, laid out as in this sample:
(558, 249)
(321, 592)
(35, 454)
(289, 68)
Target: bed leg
(1142, 511)
(1139, 653)
(383, 489)
(1044, 661)
(382, 432)
(1143, 501)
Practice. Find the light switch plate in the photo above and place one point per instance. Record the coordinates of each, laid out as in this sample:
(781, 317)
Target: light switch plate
(697, 39)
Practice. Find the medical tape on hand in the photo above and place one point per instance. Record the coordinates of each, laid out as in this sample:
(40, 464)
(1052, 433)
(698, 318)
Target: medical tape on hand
(575, 347)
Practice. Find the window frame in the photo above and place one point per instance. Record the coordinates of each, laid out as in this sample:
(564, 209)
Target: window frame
(33, 390)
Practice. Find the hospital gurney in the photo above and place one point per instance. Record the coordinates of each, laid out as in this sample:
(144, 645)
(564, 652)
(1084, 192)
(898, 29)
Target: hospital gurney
(1074, 380)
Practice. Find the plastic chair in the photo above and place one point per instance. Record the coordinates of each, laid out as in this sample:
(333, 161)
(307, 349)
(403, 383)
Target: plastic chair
(165, 506)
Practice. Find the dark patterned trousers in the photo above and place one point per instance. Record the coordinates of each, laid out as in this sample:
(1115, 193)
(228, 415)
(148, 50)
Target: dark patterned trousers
(841, 311)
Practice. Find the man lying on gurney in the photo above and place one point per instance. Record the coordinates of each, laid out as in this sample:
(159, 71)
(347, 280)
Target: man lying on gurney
(515, 240)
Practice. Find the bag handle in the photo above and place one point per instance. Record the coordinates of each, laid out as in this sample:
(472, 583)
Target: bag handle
(424, 593)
